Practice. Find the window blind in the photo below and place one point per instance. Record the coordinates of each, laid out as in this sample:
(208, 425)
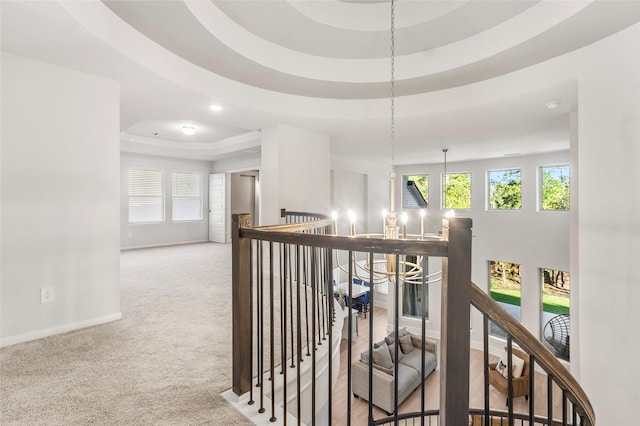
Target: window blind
(186, 193)
(146, 195)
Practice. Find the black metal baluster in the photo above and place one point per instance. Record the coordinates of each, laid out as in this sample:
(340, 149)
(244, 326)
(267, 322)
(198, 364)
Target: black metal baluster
(306, 293)
(423, 335)
(564, 407)
(350, 332)
(485, 339)
(260, 266)
(283, 308)
(550, 399)
(272, 334)
(396, 324)
(251, 281)
(329, 274)
(290, 278)
(532, 379)
(315, 327)
(510, 378)
(370, 398)
(299, 330)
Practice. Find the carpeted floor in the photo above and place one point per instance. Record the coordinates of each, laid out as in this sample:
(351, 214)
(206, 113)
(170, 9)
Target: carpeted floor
(165, 363)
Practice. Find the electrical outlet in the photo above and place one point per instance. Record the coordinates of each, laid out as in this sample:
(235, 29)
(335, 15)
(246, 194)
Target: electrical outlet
(47, 294)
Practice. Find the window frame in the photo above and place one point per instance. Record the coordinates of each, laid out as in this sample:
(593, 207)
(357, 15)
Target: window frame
(543, 322)
(200, 197)
(541, 186)
(489, 192)
(162, 196)
(406, 176)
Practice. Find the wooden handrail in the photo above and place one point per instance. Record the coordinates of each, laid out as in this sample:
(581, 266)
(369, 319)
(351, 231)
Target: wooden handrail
(286, 234)
(285, 212)
(530, 344)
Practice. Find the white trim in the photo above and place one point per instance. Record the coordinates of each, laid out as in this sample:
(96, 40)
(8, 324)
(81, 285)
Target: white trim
(65, 328)
(179, 243)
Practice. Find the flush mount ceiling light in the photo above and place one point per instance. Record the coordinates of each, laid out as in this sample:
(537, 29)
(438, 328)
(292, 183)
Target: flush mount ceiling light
(188, 130)
(552, 104)
(214, 107)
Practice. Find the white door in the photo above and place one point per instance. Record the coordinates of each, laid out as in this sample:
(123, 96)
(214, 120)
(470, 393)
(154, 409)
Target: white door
(217, 205)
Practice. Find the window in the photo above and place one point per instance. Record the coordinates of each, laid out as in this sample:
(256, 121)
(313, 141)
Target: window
(506, 289)
(505, 190)
(415, 191)
(456, 191)
(186, 193)
(413, 292)
(146, 195)
(555, 187)
(556, 289)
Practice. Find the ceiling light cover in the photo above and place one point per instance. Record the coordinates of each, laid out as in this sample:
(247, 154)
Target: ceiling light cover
(215, 107)
(188, 130)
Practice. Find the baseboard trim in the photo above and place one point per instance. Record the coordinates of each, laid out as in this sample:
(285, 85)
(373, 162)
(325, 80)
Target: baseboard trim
(180, 243)
(65, 328)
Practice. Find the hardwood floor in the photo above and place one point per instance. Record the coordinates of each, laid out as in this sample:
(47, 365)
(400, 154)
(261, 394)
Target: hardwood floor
(360, 408)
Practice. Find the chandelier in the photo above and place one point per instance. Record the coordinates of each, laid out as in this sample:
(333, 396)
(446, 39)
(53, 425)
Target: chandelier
(385, 269)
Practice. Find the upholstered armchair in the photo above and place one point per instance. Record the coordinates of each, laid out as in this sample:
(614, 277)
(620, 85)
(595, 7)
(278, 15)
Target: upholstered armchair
(520, 384)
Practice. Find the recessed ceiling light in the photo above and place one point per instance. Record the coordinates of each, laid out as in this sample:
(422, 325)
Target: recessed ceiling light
(215, 107)
(188, 130)
(552, 104)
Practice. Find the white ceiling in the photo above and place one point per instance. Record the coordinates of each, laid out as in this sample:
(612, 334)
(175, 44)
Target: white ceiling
(324, 66)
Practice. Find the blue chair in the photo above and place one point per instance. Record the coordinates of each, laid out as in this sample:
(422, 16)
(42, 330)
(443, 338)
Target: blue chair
(361, 303)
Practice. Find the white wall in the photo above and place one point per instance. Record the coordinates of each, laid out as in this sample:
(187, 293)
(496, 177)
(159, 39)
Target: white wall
(609, 227)
(60, 195)
(168, 232)
(349, 193)
(295, 171)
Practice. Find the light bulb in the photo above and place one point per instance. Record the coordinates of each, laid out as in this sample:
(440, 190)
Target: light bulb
(404, 217)
(334, 215)
(352, 216)
(449, 214)
(422, 213)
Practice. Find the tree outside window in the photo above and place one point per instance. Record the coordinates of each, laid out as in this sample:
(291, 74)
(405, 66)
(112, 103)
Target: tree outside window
(505, 189)
(555, 188)
(505, 288)
(456, 190)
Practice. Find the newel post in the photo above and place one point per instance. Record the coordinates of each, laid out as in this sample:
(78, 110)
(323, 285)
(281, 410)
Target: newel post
(241, 304)
(454, 353)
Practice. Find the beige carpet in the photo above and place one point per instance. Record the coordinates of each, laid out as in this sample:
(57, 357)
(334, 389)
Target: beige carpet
(165, 363)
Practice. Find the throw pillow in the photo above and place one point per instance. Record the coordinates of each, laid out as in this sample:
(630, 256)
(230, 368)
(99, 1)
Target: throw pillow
(401, 332)
(517, 365)
(381, 356)
(392, 352)
(405, 344)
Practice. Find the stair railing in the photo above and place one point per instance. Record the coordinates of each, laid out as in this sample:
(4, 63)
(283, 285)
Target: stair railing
(539, 355)
(283, 300)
